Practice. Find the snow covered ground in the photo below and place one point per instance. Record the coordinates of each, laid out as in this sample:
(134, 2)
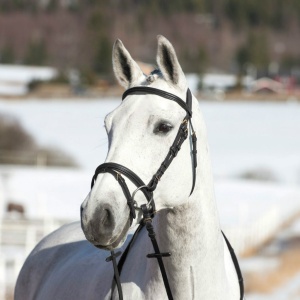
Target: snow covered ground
(46, 193)
(245, 138)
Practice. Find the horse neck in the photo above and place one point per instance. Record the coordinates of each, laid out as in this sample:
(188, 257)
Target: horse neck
(192, 234)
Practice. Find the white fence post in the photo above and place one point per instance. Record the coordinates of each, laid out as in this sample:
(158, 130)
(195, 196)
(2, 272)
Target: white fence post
(18, 263)
(3, 278)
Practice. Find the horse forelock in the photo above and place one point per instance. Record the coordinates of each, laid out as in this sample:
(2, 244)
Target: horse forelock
(154, 75)
(156, 72)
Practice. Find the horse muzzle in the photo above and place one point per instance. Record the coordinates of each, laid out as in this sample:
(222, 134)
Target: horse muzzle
(103, 229)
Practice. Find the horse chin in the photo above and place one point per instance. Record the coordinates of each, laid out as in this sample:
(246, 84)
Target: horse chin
(117, 241)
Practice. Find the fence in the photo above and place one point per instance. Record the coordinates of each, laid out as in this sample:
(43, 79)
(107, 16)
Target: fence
(247, 239)
(17, 239)
(38, 157)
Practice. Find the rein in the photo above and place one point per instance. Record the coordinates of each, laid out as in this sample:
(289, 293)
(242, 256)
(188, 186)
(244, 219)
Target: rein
(148, 209)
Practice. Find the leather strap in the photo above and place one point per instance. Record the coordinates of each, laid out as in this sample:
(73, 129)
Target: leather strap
(112, 258)
(135, 179)
(237, 266)
(173, 150)
(116, 170)
(187, 106)
(122, 261)
(130, 245)
(157, 254)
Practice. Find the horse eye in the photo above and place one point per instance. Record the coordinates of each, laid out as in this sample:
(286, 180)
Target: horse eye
(163, 128)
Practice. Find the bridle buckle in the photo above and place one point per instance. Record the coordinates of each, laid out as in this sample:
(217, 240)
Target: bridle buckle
(134, 193)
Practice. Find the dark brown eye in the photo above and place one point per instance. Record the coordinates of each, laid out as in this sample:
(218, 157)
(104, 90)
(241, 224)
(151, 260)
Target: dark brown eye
(163, 128)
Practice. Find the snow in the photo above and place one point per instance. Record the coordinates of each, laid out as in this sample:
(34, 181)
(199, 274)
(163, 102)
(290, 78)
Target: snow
(52, 192)
(243, 201)
(14, 89)
(252, 136)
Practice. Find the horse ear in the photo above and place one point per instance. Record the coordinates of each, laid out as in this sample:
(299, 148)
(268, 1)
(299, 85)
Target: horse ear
(125, 68)
(168, 63)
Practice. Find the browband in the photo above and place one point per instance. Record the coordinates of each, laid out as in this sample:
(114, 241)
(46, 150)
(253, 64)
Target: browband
(187, 106)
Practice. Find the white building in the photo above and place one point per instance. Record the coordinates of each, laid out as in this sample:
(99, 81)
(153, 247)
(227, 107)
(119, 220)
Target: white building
(216, 82)
(15, 79)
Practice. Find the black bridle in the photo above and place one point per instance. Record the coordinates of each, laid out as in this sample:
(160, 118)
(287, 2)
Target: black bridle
(148, 209)
(118, 170)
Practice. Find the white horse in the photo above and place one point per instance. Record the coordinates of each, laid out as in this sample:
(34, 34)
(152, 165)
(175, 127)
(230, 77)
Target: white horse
(64, 265)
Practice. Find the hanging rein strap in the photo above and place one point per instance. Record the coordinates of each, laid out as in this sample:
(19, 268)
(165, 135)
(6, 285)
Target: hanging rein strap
(236, 265)
(157, 254)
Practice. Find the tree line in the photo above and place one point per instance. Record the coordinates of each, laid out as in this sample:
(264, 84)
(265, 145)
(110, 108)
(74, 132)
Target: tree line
(271, 13)
(17, 146)
(250, 23)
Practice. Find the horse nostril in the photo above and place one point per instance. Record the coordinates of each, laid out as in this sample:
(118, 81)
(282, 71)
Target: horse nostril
(105, 217)
(102, 223)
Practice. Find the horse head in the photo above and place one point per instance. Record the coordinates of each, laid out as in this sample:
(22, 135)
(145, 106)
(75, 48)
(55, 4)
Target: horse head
(140, 132)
